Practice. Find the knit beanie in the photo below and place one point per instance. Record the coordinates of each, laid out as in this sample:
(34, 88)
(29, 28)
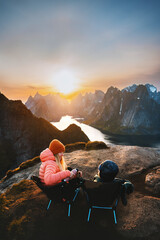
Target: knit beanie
(108, 170)
(56, 146)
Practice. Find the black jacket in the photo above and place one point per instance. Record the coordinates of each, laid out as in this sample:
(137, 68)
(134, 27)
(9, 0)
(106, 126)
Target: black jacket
(127, 187)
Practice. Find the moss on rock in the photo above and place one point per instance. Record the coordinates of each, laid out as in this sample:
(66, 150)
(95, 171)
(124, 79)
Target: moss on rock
(86, 146)
(24, 165)
(95, 145)
(75, 146)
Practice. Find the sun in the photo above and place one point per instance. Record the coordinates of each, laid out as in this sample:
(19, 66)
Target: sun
(65, 81)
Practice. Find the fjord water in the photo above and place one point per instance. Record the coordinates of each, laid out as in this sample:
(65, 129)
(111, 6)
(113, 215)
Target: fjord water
(96, 135)
(92, 133)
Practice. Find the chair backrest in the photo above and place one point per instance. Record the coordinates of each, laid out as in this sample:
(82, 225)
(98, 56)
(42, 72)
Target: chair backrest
(52, 192)
(60, 190)
(38, 182)
(102, 194)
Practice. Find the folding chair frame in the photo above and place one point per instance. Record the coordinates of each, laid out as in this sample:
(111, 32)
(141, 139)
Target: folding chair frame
(69, 202)
(106, 208)
(76, 191)
(98, 200)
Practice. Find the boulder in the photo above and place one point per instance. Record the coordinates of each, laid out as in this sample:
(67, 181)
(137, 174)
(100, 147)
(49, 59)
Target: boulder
(152, 181)
(131, 160)
(23, 205)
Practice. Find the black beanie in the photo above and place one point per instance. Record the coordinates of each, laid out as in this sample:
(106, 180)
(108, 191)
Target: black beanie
(108, 170)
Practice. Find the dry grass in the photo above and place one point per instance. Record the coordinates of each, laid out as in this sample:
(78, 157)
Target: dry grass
(23, 165)
(85, 146)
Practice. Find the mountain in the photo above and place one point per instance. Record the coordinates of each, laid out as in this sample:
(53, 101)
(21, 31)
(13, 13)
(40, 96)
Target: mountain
(52, 106)
(23, 135)
(135, 110)
(150, 88)
(82, 106)
(130, 88)
(152, 91)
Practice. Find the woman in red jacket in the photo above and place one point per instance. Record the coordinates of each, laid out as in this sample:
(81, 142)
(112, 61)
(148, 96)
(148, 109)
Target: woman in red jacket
(53, 167)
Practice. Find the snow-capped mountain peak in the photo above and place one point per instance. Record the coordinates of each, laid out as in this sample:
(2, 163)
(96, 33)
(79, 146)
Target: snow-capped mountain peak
(151, 88)
(130, 88)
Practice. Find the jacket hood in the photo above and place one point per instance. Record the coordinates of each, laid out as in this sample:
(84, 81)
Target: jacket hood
(46, 155)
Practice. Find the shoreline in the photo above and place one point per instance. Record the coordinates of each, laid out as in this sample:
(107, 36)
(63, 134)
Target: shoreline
(152, 141)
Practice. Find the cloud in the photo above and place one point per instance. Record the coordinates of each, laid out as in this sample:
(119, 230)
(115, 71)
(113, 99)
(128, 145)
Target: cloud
(106, 43)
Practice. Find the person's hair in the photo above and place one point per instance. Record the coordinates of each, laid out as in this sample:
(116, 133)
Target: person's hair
(61, 163)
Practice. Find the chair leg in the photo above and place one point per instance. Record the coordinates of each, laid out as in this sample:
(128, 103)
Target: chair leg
(49, 204)
(69, 210)
(69, 206)
(115, 219)
(89, 214)
(77, 191)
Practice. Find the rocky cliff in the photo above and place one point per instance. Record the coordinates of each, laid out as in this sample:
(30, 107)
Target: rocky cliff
(24, 216)
(130, 111)
(23, 135)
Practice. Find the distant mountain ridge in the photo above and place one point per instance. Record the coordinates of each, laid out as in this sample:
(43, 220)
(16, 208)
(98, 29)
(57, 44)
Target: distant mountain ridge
(52, 106)
(134, 110)
(24, 136)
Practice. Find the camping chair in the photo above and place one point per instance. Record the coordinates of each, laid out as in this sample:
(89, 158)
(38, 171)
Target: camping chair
(102, 196)
(61, 192)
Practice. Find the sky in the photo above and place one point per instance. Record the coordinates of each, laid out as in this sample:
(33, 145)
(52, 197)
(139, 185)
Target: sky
(81, 45)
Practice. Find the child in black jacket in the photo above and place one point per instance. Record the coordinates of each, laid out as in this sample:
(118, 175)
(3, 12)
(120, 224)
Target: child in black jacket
(107, 172)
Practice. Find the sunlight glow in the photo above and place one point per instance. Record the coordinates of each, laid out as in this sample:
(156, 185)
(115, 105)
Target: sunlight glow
(65, 81)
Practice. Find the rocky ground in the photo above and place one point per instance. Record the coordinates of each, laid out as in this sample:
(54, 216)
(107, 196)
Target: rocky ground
(23, 212)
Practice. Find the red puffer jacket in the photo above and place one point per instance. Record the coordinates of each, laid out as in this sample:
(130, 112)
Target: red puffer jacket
(49, 172)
